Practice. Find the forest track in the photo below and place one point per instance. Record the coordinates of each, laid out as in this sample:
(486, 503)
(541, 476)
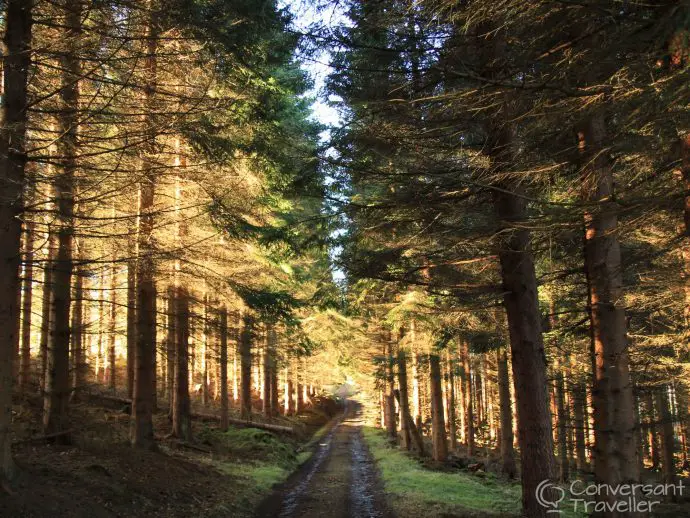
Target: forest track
(339, 481)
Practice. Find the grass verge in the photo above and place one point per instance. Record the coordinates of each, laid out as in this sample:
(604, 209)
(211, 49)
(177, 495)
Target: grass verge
(413, 490)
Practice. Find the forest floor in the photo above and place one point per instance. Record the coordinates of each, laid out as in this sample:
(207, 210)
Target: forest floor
(99, 475)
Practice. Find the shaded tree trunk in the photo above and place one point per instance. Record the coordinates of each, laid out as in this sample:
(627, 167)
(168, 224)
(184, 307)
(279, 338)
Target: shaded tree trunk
(452, 424)
(182, 412)
(268, 370)
(78, 334)
(223, 330)
(25, 367)
(170, 345)
(468, 396)
(579, 403)
(562, 425)
(507, 452)
(145, 358)
(57, 387)
(246, 366)
(17, 40)
(668, 467)
(403, 401)
(131, 321)
(524, 324)
(389, 398)
(438, 426)
(45, 311)
(112, 329)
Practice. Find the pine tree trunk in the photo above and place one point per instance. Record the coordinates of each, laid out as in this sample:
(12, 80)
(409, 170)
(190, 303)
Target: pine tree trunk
(25, 367)
(45, 312)
(389, 397)
(131, 321)
(468, 396)
(507, 452)
(170, 345)
(438, 426)
(112, 329)
(182, 412)
(562, 425)
(403, 401)
(452, 424)
(17, 40)
(145, 357)
(246, 366)
(78, 334)
(268, 369)
(524, 325)
(615, 456)
(57, 388)
(205, 356)
(223, 325)
(579, 402)
(668, 467)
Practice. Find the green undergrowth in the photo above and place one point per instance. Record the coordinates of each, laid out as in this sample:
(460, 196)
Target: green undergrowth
(255, 459)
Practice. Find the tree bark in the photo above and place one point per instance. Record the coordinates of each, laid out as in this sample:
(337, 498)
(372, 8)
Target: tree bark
(452, 423)
(246, 366)
(57, 387)
(507, 452)
(145, 358)
(615, 456)
(562, 425)
(112, 327)
(668, 467)
(78, 334)
(438, 426)
(389, 397)
(524, 324)
(579, 403)
(131, 321)
(25, 367)
(468, 397)
(223, 325)
(403, 401)
(45, 311)
(13, 115)
(268, 369)
(182, 411)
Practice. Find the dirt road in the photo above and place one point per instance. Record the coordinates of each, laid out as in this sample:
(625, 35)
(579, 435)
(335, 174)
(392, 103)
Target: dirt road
(340, 480)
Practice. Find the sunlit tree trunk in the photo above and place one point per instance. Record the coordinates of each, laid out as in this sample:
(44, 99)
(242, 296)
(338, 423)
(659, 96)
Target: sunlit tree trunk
(389, 380)
(615, 456)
